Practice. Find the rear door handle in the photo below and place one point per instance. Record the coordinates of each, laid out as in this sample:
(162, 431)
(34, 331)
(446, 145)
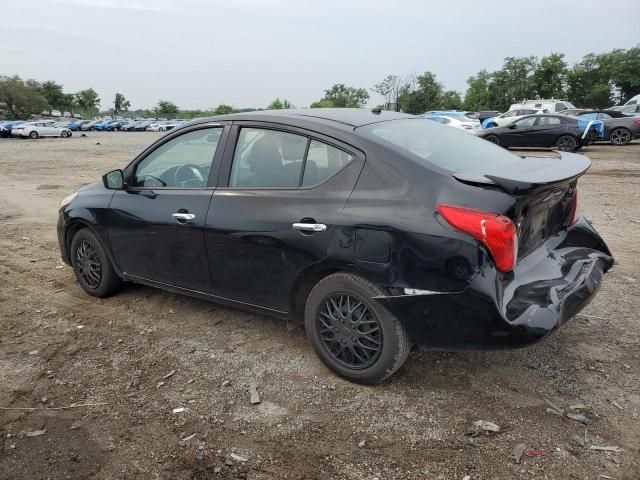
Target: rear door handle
(183, 217)
(310, 227)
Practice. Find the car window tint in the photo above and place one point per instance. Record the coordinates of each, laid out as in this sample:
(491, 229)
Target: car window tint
(525, 122)
(182, 162)
(549, 121)
(323, 161)
(430, 143)
(267, 158)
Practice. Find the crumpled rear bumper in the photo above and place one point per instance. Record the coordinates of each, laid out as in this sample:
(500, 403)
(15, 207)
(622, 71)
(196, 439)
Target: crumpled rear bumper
(547, 288)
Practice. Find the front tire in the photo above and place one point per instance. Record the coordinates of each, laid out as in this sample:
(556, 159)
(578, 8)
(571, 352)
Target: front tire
(493, 139)
(92, 266)
(33, 135)
(64, 134)
(620, 136)
(566, 143)
(354, 336)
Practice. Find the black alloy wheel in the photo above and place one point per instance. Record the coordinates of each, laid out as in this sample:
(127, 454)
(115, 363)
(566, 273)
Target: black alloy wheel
(493, 139)
(88, 263)
(620, 136)
(349, 331)
(566, 143)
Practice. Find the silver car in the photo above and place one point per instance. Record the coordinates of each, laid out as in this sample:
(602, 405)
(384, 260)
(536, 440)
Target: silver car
(40, 129)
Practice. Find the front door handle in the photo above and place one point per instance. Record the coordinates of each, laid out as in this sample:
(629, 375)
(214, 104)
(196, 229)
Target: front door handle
(310, 227)
(183, 217)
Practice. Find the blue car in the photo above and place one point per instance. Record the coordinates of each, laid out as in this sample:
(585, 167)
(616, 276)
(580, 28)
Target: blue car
(454, 113)
(102, 125)
(77, 125)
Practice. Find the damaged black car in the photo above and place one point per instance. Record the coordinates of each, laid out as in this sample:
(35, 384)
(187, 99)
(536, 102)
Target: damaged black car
(377, 230)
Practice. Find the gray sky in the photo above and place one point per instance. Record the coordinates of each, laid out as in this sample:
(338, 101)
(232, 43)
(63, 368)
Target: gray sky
(200, 53)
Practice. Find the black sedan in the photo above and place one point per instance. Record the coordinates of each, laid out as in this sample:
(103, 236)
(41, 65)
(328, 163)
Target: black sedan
(561, 132)
(377, 230)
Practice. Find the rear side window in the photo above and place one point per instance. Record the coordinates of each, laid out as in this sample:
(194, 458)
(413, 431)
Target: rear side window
(526, 122)
(323, 162)
(549, 121)
(430, 143)
(274, 159)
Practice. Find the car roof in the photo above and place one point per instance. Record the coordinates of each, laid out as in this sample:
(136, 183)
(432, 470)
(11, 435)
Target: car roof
(352, 117)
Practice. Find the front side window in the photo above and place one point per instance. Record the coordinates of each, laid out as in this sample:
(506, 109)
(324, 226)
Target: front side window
(560, 107)
(323, 162)
(603, 116)
(267, 158)
(182, 162)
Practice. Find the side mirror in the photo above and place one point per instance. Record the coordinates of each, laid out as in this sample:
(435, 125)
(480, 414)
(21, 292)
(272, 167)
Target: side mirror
(114, 180)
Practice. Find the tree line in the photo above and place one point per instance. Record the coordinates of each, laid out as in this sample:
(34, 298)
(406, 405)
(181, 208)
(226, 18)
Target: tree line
(598, 81)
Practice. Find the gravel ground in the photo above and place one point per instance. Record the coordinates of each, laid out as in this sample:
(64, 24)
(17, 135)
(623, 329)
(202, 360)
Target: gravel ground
(60, 347)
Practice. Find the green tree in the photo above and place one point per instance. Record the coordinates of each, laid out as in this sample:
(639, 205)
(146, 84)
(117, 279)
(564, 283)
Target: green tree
(322, 104)
(478, 96)
(278, 104)
(120, 104)
(623, 68)
(21, 98)
(166, 108)
(224, 109)
(513, 82)
(342, 96)
(56, 98)
(421, 94)
(451, 100)
(550, 76)
(589, 82)
(88, 101)
(389, 88)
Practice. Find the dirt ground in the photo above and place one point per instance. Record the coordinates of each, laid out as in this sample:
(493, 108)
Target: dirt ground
(60, 347)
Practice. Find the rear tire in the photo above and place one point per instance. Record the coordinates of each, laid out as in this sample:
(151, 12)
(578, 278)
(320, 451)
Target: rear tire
(92, 266)
(64, 134)
(354, 336)
(566, 143)
(620, 136)
(33, 135)
(493, 139)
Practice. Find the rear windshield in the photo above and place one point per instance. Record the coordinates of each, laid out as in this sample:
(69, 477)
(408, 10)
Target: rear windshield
(431, 142)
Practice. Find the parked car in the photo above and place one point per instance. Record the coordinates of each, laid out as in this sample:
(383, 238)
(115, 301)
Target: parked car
(461, 122)
(6, 127)
(631, 107)
(90, 125)
(103, 125)
(156, 126)
(171, 124)
(619, 128)
(376, 229)
(562, 132)
(40, 129)
(116, 125)
(595, 114)
(552, 105)
(454, 113)
(484, 114)
(77, 125)
(508, 117)
(142, 126)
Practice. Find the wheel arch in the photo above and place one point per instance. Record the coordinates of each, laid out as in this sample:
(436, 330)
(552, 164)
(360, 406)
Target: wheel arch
(77, 224)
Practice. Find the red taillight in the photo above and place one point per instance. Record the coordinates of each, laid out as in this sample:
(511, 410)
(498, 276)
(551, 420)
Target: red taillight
(496, 232)
(637, 121)
(575, 213)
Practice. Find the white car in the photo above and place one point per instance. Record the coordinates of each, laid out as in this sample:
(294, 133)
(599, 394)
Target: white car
(463, 123)
(507, 117)
(552, 105)
(40, 129)
(156, 127)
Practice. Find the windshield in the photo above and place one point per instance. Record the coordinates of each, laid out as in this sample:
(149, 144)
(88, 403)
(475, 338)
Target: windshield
(430, 142)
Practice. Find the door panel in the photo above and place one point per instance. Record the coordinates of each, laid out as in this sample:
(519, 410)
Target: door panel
(156, 225)
(255, 253)
(148, 242)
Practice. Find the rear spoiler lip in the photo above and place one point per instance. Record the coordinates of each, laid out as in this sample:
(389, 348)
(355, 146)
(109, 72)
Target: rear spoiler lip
(568, 167)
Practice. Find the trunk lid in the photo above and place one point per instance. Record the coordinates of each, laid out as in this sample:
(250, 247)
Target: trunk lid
(545, 194)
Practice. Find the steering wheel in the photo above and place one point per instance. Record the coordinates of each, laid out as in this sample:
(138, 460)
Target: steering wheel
(188, 176)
